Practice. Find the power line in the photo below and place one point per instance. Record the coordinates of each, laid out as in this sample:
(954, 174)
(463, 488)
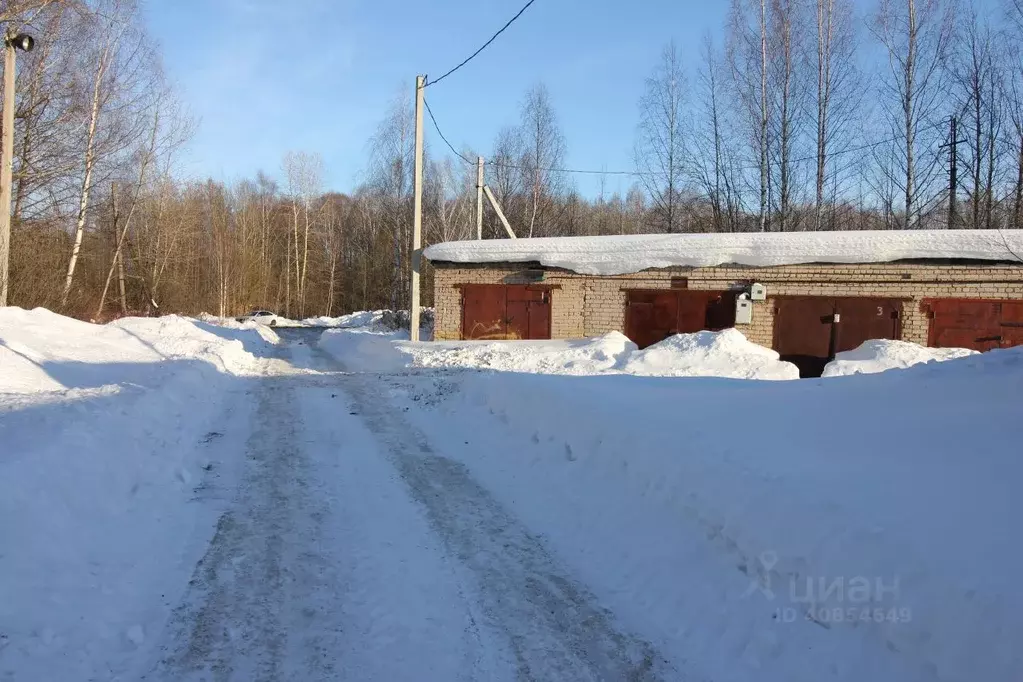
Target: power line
(582, 171)
(484, 46)
(498, 164)
(804, 159)
(439, 132)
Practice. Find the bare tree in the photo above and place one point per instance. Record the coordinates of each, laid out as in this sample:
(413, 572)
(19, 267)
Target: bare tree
(303, 172)
(979, 81)
(708, 166)
(748, 57)
(787, 87)
(916, 35)
(661, 140)
(543, 148)
(838, 93)
(113, 31)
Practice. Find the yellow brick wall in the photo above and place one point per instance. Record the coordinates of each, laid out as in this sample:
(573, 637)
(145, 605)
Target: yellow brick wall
(586, 305)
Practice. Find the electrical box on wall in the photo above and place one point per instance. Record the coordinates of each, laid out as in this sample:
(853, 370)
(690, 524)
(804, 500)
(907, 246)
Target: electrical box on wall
(743, 310)
(757, 292)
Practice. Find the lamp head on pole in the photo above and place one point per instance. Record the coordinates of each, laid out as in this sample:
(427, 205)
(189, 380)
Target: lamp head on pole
(22, 41)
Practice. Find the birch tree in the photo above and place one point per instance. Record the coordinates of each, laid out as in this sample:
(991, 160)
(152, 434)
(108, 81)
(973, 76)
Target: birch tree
(543, 150)
(112, 32)
(661, 153)
(838, 94)
(748, 58)
(979, 82)
(916, 36)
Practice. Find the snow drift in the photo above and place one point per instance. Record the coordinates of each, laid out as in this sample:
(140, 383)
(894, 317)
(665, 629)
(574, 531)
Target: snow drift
(43, 351)
(710, 354)
(881, 355)
(722, 354)
(617, 255)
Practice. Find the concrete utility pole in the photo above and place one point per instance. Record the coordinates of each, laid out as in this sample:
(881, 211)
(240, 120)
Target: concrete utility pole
(417, 219)
(479, 197)
(20, 42)
(499, 212)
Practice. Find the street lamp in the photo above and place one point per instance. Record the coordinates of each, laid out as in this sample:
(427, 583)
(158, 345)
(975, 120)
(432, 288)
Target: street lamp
(24, 42)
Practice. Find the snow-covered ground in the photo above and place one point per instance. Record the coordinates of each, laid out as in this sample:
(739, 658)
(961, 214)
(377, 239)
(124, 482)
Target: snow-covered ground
(109, 435)
(806, 530)
(183, 501)
(881, 355)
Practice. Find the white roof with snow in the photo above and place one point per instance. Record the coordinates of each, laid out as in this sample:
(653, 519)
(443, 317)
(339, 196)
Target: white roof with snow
(617, 255)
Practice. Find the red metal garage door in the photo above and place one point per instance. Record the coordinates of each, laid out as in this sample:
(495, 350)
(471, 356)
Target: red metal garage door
(654, 315)
(974, 323)
(863, 319)
(809, 330)
(505, 311)
(802, 332)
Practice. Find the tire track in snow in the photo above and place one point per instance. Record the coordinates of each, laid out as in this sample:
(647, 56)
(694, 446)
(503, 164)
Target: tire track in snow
(239, 620)
(555, 627)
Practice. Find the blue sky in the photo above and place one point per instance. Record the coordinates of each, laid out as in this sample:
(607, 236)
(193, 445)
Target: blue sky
(264, 77)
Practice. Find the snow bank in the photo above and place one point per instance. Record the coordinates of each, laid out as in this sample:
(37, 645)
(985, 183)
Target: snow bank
(109, 437)
(721, 354)
(710, 354)
(616, 255)
(881, 355)
(363, 318)
(846, 530)
(43, 351)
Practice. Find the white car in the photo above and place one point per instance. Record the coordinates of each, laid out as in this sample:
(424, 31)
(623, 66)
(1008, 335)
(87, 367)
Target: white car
(260, 317)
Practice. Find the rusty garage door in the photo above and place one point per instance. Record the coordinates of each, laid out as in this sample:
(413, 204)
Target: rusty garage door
(506, 311)
(654, 315)
(973, 323)
(809, 330)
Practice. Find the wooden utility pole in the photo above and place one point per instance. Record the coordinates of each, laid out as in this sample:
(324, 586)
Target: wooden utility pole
(6, 168)
(417, 218)
(479, 197)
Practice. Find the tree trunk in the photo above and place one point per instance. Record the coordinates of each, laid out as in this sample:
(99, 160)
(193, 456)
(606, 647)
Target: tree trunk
(90, 160)
(764, 169)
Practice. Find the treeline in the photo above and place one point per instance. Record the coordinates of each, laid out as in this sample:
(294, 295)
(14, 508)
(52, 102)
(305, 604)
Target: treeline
(807, 115)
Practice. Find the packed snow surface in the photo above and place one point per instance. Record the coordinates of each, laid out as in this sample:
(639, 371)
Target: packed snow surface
(616, 255)
(880, 355)
(852, 530)
(722, 354)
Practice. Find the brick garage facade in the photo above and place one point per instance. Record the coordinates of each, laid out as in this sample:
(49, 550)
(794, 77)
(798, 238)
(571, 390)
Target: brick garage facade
(590, 305)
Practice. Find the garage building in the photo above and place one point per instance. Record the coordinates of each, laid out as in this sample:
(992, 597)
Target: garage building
(807, 295)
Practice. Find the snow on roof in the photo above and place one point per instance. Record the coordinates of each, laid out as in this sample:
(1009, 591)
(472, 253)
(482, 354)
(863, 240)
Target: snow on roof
(617, 255)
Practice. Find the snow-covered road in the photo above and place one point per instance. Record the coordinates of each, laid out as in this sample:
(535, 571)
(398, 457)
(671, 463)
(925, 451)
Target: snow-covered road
(355, 549)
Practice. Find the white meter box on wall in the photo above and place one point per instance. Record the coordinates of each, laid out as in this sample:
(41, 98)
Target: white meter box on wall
(743, 310)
